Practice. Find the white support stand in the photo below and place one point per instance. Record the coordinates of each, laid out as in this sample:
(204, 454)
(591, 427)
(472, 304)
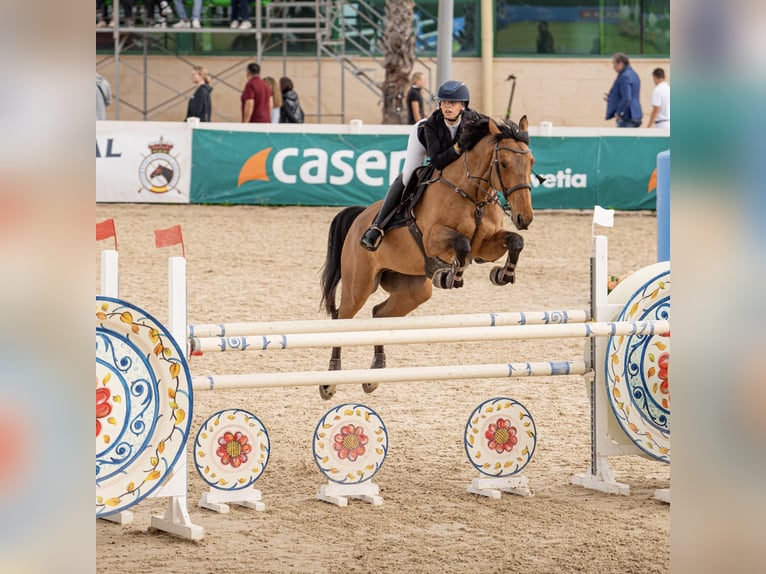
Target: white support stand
(176, 519)
(110, 287)
(493, 487)
(110, 274)
(663, 495)
(607, 437)
(219, 500)
(339, 494)
(122, 518)
(601, 477)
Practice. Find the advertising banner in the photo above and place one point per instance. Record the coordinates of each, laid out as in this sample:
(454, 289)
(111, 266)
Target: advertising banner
(143, 162)
(240, 167)
(581, 172)
(293, 169)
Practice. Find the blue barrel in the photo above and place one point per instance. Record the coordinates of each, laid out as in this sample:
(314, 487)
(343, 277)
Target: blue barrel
(663, 206)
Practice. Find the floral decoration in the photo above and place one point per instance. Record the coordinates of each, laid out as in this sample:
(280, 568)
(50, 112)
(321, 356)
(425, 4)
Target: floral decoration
(233, 449)
(103, 406)
(501, 436)
(350, 442)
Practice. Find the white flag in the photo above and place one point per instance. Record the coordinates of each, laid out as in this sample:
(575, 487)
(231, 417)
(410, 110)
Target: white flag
(603, 217)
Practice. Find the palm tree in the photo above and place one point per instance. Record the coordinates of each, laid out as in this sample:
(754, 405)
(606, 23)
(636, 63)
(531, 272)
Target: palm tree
(398, 48)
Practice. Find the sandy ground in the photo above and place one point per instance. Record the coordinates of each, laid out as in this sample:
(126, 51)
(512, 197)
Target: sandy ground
(263, 263)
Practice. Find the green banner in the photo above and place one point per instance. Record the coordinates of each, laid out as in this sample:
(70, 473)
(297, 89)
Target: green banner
(233, 167)
(293, 169)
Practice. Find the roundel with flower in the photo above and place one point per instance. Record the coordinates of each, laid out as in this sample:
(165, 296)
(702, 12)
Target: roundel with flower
(500, 437)
(231, 450)
(350, 443)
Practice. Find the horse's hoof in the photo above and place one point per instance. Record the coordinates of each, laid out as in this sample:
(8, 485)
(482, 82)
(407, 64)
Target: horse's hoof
(443, 278)
(499, 276)
(326, 391)
(378, 361)
(369, 387)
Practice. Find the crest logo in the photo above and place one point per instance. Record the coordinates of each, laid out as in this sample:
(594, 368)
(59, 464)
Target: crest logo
(159, 172)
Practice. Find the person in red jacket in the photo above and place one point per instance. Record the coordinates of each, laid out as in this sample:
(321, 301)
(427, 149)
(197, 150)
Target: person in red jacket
(256, 97)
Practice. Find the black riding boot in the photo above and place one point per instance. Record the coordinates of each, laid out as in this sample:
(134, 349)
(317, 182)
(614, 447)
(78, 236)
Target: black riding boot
(371, 238)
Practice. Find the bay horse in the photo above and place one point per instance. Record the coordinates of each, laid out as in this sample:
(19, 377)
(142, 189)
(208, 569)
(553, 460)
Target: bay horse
(458, 218)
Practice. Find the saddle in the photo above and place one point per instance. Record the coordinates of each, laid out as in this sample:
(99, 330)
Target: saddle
(404, 213)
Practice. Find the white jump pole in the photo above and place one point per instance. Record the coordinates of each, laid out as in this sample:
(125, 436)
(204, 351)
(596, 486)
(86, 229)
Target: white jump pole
(389, 323)
(388, 375)
(414, 336)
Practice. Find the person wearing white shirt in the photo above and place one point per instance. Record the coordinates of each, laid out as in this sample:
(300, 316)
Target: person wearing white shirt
(660, 117)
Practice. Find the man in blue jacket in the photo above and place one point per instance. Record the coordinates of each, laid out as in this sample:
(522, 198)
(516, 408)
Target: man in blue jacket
(622, 100)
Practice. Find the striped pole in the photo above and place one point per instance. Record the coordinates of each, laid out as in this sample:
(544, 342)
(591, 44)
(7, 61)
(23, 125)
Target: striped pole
(389, 323)
(414, 336)
(389, 375)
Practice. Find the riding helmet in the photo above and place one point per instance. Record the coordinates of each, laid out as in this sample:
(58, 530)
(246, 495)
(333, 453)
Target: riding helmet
(453, 91)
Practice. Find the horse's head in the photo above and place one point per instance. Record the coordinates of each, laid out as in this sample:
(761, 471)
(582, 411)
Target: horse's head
(511, 169)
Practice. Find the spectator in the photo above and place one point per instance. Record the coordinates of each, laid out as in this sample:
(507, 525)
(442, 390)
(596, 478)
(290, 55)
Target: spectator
(276, 100)
(127, 9)
(103, 96)
(200, 105)
(415, 111)
(292, 113)
(240, 15)
(660, 116)
(101, 13)
(164, 10)
(622, 100)
(183, 19)
(544, 39)
(256, 97)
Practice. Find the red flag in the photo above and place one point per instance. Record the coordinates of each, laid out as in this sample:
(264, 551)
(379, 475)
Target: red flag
(168, 237)
(105, 230)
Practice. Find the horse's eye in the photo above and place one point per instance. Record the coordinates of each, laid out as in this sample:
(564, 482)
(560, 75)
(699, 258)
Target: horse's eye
(503, 165)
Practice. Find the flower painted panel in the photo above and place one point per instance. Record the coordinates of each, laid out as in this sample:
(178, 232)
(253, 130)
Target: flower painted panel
(350, 443)
(232, 449)
(143, 404)
(637, 366)
(500, 437)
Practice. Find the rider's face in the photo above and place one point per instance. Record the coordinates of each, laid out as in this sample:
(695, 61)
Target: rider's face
(451, 110)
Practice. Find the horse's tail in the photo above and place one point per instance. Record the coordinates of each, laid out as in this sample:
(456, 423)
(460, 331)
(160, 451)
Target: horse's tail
(339, 227)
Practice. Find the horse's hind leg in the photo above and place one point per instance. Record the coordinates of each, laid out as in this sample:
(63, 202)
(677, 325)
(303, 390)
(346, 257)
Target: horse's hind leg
(407, 293)
(507, 273)
(355, 290)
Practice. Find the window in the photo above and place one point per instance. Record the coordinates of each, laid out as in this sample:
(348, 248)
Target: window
(566, 27)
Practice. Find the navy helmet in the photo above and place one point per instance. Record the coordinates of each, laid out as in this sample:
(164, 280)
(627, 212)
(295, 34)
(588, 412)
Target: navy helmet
(453, 91)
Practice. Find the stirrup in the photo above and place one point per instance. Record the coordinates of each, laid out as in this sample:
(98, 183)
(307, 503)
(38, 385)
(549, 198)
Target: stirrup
(371, 244)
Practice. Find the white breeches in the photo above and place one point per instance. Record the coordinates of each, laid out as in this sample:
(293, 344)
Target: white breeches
(415, 155)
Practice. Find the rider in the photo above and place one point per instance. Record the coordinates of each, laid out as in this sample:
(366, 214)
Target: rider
(441, 130)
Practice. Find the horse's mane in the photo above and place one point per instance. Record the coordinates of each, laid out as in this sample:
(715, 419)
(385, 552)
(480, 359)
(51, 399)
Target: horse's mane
(477, 126)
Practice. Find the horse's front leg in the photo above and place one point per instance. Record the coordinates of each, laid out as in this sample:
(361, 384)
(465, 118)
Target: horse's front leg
(452, 277)
(507, 273)
(378, 362)
(327, 391)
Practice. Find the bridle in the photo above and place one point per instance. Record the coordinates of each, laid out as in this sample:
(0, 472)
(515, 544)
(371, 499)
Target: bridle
(496, 165)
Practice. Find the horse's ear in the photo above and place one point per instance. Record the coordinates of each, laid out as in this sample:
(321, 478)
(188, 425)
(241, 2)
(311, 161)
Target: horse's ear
(493, 129)
(523, 123)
